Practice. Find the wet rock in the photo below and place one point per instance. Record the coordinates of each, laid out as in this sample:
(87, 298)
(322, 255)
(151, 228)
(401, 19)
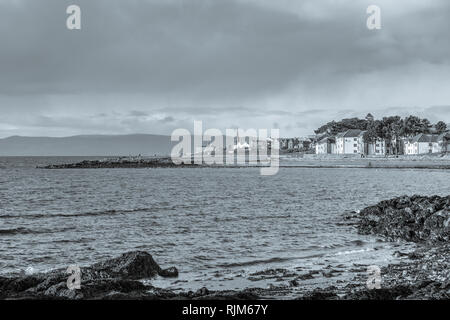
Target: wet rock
(108, 279)
(130, 265)
(61, 291)
(415, 218)
(247, 294)
(161, 162)
(329, 293)
(99, 289)
(293, 283)
(308, 276)
(392, 293)
(202, 292)
(18, 284)
(422, 274)
(169, 272)
(279, 274)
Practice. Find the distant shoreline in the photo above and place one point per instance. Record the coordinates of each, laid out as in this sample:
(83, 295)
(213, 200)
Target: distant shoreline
(285, 162)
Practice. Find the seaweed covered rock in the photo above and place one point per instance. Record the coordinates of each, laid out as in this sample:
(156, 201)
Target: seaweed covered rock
(130, 265)
(115, 277)
(415, 218)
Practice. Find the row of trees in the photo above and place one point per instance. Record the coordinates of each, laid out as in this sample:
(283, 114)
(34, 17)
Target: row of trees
(389, 129)
(407, 127)
(335, 127)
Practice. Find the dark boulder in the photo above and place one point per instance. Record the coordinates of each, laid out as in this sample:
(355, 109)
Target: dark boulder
(169, 272)
(130, 265)
(109, 279)
(415, 218)
(393, 293)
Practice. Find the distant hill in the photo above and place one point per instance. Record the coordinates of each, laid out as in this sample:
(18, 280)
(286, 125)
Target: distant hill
(87, 145)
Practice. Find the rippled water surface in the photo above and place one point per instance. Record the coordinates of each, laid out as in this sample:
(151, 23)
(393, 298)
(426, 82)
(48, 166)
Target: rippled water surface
(215, 225)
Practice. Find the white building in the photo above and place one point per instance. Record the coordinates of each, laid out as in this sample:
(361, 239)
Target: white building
(326, 146)
(377, 148)
(347, 142)
(422, 144)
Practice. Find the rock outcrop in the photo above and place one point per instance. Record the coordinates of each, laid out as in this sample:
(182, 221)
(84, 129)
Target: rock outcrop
(164, 162)
(415, 218)
(420, 219)
(110, 278)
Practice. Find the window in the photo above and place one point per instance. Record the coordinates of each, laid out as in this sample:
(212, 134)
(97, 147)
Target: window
(354, 151)
(354, 139)
(355, 145)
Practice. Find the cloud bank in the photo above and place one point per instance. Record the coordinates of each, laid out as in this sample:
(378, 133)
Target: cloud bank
(152, 66)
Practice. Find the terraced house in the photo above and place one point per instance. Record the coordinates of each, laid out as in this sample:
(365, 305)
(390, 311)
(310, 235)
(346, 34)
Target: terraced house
(326, 146)
(377, 148)
(422, 144)
(347, 142)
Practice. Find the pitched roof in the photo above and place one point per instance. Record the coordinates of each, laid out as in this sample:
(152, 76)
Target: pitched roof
(421, 137)
(351, 133)
(327, 139)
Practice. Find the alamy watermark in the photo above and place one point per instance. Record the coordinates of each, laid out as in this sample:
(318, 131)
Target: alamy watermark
(74, 280)
(374, 20)
(237, 147)
(374, 277)
(73, 21)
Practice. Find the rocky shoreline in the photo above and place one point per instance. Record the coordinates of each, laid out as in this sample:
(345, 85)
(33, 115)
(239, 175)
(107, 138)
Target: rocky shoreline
(127, 163)
(163, 162)
(117, 278)
(421, 274)
(166, 162)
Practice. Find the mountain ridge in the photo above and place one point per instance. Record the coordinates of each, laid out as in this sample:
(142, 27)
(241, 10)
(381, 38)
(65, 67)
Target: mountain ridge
(87, 145)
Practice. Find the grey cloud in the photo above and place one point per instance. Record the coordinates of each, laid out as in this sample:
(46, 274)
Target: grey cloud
(153, 65)
(168, 119)
(202, 49)
(137, 113)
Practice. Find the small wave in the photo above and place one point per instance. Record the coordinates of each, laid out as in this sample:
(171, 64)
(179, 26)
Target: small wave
(358, 243)
(75, 215)
(20, 230)
(205, 258)
(253, 262)
(354, 251)
(271, 260)
(15, 231)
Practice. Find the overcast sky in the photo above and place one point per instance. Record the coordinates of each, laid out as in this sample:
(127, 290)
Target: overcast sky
(152, 66)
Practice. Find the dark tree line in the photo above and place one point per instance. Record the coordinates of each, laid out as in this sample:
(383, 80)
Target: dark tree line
(335, 127)
(384, 128)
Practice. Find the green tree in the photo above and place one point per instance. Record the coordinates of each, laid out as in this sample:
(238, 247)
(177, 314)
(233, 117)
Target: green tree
(334, 127)
(374, 131)
(425, 126)
(412, 125)
(440, 127)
